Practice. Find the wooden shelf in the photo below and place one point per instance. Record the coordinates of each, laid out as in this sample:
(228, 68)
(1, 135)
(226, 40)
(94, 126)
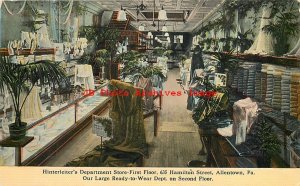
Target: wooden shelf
(42, 51)
(13, 143)
(134, 39)
(276, 60)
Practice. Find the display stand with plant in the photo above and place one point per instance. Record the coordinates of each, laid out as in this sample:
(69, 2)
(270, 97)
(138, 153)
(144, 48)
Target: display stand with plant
(105, 40)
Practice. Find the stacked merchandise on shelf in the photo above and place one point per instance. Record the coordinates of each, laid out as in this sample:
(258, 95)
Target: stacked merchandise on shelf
(277, 95)
(240, 83)
(270, 84)
(286, 91)
(235, 80)
(245, 78)
(258, 83)
(252, 70)
(230, 78)
(264, 81)
(295, 94)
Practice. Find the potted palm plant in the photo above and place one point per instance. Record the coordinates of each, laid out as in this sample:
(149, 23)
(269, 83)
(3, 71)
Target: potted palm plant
(225, 61)
(263, 142)
(286, 25)
(20, 79)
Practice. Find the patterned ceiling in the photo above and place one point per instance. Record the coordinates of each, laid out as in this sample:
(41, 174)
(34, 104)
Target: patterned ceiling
(198, 9)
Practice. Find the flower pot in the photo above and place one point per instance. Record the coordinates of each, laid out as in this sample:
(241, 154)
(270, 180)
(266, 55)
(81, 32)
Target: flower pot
(263, 161)
(17, 132)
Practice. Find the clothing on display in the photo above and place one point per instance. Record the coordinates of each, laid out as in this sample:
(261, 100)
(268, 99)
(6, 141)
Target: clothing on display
(32, 109)
(244, 115)
(296, 50)
(43, 39)
(195, 85)
(185, 71)
(162, 62)
(197, 60)
(263, 44)
(226, 131)
(119, 48)
(145, 85)
(84, 76)
(157, 82)
(127, 116)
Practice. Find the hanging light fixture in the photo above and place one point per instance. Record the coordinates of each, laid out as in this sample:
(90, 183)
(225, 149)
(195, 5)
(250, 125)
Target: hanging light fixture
(156, 38)
(142, 6)
(169, 39)
(167, 34)
(162, 15)
(164, 29)
(121, 15)
(150, 35)
(141, 28)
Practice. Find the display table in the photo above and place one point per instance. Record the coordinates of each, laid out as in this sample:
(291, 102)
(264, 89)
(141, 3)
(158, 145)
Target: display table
(220, 152)
(18, 145)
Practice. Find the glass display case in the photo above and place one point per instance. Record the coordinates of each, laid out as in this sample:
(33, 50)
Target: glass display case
(52, 126)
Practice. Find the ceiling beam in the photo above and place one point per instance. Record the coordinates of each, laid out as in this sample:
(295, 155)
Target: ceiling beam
(195, 10)
(208, 16)
(178, 4)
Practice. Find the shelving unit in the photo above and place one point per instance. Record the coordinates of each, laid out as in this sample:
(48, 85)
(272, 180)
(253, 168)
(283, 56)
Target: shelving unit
(275, 60)
(26, 52)
(136, 40)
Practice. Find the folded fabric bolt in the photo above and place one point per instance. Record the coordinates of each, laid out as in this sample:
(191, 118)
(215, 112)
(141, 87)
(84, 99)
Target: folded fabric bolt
(244, 115)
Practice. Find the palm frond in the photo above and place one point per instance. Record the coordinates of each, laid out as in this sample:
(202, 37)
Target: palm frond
(45, 72)
(21, 78)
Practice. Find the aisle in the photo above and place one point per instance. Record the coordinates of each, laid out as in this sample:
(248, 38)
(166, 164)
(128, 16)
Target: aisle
(177, 141)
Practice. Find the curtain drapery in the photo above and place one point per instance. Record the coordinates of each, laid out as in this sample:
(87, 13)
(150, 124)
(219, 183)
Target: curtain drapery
(128, 121)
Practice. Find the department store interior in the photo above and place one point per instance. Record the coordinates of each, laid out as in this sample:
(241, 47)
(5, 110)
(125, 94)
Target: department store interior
(150, 83)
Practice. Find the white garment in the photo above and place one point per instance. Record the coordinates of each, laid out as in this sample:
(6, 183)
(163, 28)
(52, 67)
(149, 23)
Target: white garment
(162, 62)
(119, 48)
(59, 54)
(32, 109)
(296, 50)
(244, 115)
(226, 131)
(263, 43)
(75, 28)
(26, 41)
(84, 75)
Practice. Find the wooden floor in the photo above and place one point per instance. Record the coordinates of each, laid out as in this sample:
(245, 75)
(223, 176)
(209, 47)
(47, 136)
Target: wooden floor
(177, 141)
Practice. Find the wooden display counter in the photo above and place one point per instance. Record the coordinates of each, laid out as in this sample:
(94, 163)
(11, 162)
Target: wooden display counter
(26, 52)
(221, 154)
